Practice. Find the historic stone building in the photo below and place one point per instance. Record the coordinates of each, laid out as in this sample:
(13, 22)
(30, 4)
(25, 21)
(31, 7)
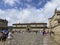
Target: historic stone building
(3, 24)
(54, 25)
(29, 26)
(54, 22)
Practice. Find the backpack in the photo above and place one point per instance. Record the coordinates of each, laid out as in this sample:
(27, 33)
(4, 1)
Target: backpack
(3, 36)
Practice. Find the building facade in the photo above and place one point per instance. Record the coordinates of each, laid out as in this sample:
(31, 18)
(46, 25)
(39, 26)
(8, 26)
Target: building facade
(54, 22)
(29, 26)
(3, 24)
(54, 25)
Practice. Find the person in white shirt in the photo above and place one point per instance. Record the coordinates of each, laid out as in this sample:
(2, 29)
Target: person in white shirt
(10, 37)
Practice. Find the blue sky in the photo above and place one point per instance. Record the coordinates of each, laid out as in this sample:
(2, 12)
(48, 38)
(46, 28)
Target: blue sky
(27, 11)
(7, 4)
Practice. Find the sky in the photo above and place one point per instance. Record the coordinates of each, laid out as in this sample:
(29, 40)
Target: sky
(28, 11)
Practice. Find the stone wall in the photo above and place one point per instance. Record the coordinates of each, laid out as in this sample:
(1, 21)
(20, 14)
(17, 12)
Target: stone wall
(57, 34)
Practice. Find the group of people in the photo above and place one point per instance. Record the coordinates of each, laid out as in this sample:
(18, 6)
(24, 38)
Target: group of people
(5, 35)
(50, 33)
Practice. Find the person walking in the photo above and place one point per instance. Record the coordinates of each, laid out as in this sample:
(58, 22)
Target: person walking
(10, 37)
(44, 33)
(4, 35)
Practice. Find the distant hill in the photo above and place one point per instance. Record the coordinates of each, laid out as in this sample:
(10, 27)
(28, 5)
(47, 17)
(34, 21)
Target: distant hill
(9, 27)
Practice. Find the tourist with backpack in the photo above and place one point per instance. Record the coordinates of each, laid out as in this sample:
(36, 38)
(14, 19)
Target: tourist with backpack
(3, 37)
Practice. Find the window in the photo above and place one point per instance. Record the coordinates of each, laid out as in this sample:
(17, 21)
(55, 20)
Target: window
(58, 21)
(24, 25)
(58, 14)
(33, 25)
(18, 25)
(40, 25)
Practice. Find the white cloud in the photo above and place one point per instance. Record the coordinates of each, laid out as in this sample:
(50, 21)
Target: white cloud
(26, 15)
(30, 14)
(11, 2)
(50, 7)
